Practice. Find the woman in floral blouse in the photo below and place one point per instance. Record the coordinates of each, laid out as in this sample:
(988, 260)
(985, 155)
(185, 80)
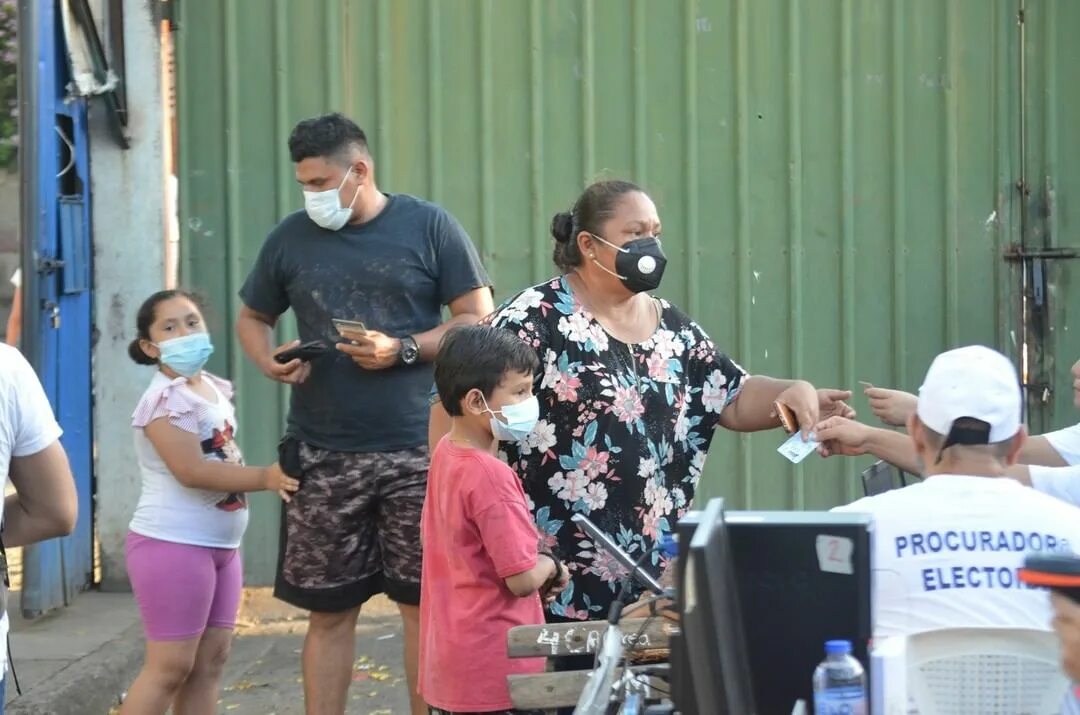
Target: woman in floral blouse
(630, 391)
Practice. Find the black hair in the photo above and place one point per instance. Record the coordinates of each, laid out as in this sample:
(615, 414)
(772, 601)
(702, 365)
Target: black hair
(478, 357)
(329, 136)
(595, 206)
(145, 318)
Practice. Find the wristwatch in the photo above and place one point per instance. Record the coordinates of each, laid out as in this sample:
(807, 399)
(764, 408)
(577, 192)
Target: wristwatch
(410, 351)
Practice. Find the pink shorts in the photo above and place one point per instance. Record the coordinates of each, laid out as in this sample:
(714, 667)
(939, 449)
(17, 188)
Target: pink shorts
(181, 589)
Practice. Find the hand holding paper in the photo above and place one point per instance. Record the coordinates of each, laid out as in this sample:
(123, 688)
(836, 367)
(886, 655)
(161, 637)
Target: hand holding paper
(796, 450)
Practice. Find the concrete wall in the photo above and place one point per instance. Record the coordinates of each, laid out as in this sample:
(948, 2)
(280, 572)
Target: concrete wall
(9, 211)
(9, 239)
(128, 208)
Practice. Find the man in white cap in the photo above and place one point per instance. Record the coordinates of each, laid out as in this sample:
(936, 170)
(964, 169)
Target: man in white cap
(1049, 462)
(947, 550)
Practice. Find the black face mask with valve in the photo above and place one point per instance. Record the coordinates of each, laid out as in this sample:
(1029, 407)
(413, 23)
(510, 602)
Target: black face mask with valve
(639, 264)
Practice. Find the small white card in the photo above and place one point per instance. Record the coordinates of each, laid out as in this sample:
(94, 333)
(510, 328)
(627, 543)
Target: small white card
(796, 450)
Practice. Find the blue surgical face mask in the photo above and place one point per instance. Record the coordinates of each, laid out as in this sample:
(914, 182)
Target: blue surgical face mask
(518, 421)
(186, 355)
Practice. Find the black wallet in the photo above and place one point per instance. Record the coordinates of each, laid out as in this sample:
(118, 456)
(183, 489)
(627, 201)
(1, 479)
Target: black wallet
(289, 456)
(306, 352)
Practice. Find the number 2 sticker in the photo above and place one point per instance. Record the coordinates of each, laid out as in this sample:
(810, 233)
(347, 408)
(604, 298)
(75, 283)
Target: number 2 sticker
(834, 554)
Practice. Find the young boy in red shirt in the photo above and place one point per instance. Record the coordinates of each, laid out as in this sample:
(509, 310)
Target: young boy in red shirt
(482, 570)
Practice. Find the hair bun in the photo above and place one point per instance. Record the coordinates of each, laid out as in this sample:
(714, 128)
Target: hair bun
(135, 352)
(562, 226)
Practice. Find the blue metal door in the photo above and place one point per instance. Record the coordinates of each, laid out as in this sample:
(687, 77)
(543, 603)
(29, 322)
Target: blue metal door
(57, 301)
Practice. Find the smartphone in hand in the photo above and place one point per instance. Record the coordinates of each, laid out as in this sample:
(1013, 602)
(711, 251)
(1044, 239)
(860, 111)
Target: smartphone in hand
(349, 328)
(787, 418)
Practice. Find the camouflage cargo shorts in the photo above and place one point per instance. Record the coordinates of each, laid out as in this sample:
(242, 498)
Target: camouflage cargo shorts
(353, 529)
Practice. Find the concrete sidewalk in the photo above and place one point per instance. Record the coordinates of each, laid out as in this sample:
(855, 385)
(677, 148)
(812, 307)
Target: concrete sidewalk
(75, 661)
(80, 661)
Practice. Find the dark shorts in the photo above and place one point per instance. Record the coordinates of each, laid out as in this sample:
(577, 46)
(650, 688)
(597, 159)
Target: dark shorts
(353, 529)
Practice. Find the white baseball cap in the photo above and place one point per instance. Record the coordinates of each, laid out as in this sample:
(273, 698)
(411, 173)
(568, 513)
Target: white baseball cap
(972, 382)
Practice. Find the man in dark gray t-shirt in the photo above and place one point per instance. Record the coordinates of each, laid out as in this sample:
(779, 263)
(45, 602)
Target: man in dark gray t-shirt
(358, 415)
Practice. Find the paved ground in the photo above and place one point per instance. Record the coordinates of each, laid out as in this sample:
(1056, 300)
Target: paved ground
(80, 660)
(263, 677)
(48, 650)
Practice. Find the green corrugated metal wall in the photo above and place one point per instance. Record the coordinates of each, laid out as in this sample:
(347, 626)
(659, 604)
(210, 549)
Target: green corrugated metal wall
(1051, 104)
(835, 177)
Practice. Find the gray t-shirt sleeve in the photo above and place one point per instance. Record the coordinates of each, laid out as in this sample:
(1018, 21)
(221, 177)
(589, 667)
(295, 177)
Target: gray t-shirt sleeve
(265, 290)
(459, 267)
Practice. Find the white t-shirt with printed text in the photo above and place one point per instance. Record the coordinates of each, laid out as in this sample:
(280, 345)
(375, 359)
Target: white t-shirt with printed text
(947, 552)
(27, 426)
(168, 510)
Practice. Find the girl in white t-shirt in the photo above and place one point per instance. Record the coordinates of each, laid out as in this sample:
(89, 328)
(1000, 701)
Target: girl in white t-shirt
(182, 548)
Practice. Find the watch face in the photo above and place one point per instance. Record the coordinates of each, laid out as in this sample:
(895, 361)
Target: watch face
(409, 352)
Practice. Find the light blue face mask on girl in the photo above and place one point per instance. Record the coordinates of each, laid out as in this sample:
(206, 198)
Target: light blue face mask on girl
(520, 419)
(186, 355)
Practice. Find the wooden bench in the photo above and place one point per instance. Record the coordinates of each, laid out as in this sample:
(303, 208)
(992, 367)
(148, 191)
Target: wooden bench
(557, 690)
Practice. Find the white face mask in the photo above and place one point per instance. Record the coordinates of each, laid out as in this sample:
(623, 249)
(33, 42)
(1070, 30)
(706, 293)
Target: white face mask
(325, 209)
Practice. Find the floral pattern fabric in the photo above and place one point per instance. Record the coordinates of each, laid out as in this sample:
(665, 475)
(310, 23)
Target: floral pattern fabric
(622, 436)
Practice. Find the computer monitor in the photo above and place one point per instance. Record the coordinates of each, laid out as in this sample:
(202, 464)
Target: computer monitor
(711, 624)
(682, 681)
(803, 578)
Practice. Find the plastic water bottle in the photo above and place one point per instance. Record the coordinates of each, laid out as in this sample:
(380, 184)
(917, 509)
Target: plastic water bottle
(839, 682)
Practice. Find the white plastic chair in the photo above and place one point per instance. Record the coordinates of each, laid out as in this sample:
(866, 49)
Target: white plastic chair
(985, 671)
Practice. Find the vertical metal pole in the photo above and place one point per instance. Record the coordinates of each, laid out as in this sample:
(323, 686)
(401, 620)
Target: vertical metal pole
(1026, 346)
(1022, 183)
(29, 88)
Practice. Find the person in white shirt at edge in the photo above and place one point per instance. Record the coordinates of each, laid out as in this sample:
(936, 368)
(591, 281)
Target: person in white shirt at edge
(947, 550)
(1050, 462)
(44, 504)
